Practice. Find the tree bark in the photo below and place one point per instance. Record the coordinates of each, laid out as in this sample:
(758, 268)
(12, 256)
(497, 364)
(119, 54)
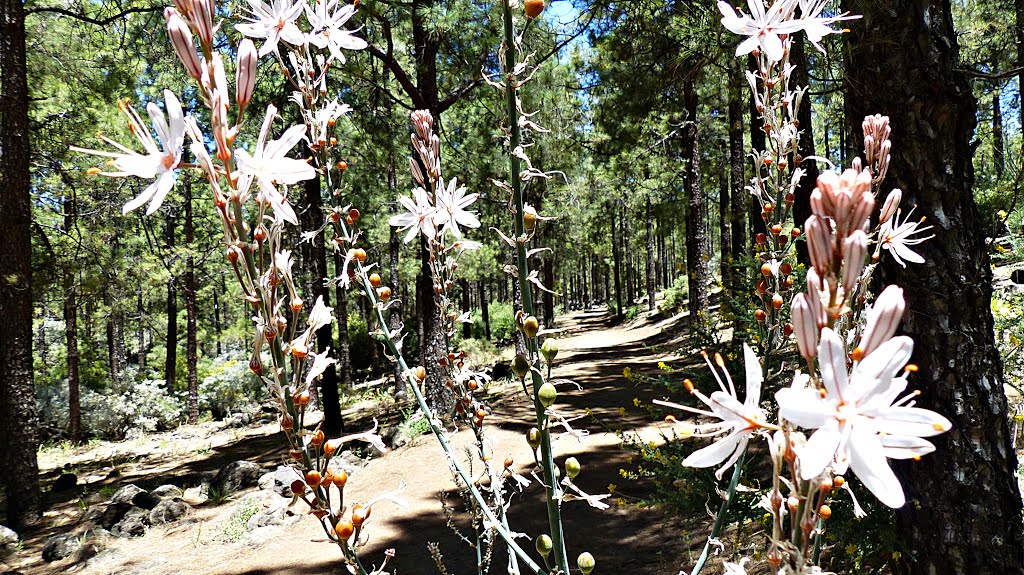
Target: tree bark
(395, 319)
(467, 328)
(216, 321)
(171, 359)
(549, 298)
(314, 263)
(141, 332)
(71, 333)
(18, 441)
(802, 202)
(629, 260)
(191, 345)
(651, 282)
(616, 256)
(757, 142)
(964, 508)
(696, 233)
(483, 310)
(998, 147)
(725, 250)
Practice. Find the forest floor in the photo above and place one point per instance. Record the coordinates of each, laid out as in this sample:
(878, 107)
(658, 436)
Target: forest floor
(632, 536)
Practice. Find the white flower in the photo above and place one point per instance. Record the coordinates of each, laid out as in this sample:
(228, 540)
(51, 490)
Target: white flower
(815, 26)
(320, 364)
(738, 420)
(269, 166)
(327, 21)
(451, 209)
(156, 163)
(896, 237)
(762, 27)
(419, 216)
(274, 22)
(861, 419)
(736, 568)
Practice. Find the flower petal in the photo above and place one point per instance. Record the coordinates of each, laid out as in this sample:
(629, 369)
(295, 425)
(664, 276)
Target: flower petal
(867, 460)
(819, 451)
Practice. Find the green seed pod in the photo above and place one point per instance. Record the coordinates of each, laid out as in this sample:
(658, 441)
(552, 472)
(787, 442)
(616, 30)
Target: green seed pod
(572, 467)
(544, 545)
(531, 326)
(585, 562)
(520, 366)
(533, 437)
(547, 394)
(550, 349)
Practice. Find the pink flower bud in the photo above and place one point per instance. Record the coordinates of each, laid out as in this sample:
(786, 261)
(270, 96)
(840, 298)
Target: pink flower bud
(184, 7)
(202, 19)
(248, 65)
(805, 325)
(856, 249)
(860, 212)
(886, 316)
(817, 205)
(819, 243)
(828, 183)
(181, 39)
(869, 148)
(814, 287)
(892, 203)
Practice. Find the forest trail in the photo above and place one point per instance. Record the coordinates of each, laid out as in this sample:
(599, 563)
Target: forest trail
(593, 353)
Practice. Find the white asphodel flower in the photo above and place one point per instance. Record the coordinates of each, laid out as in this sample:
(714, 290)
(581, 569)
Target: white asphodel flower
(269, 166)
(273, 22)
(896, 236)
(451, 209)
(159, 161)
(418, 217)
(762, 26)
(862, 418)
(738, 420)
(321, 362)
(327, 21)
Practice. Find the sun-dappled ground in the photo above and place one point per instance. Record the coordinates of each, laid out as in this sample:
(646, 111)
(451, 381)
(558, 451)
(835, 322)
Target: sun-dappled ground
(214, 538)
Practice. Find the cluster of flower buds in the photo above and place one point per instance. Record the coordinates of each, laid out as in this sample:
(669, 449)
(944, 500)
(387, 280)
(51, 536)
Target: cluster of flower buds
(877, 145)
(427, 146)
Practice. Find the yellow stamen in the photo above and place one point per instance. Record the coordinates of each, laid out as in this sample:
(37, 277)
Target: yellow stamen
(93, 171)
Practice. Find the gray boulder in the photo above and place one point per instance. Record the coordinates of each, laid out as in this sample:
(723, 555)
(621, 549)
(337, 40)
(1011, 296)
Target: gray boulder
(127, 493)
(168, 511)
(236, 475)
(113, 514)
(168, 492)
(279, 480)
(282, 515)
(61, 547)
(8, 542)
(133, 524)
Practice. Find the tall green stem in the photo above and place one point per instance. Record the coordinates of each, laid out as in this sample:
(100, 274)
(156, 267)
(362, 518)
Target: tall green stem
(552, 491)
(720, 518)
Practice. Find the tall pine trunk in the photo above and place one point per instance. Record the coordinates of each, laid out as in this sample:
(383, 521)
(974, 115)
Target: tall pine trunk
(71, 334)
(964, 508)
(802, 202)
(171, 359)
(616, 256)
(696, 231)
(314, 263)
(191, 345)
(341, 312)
(484, 314)
(651, 282)
(18, 441)
(998, 146)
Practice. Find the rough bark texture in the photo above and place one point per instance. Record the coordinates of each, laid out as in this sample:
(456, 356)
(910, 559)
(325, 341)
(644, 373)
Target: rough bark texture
(141, 335)
(802, 205)
(616, 257)
(737, 181)
(71, 334)
(757, 142)
(998, 147)
(484, 314)
(724, 240)
(344, 368)
(964, 509)
(171, 359)
(18, 440)
(314, 263)
(651, 283)
(629, 260)
(696, 230)
(191, 329)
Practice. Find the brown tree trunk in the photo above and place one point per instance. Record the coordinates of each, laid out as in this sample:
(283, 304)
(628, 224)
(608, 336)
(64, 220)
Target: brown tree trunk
(216, 322)
(802, 203)
(18, 441)
(483, 310)
(314, 262)
(191, 345)
(757, 142)
(963, 514)
(725, 250)
(696, 233)
(629, 260)
(998, 146)
(616, 256)
(651, 282)
(171, 359)
(71, 334)
(549, 298)
(141, 332)
(467, 328)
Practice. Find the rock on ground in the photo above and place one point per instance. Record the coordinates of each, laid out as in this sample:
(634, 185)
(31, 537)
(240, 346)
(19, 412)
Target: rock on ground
(236, 475)
(168, 491)
(168, 511)
(8, 542)
(133, 524)
(280, 480)
(61, 547)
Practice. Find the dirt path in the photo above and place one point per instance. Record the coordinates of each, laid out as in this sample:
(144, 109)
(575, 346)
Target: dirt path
(625, 537)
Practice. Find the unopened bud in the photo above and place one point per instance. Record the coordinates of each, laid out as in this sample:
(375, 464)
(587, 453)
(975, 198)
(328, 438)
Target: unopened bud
(181, 39)
(805, 326)
(819, 243)
(248, 66)
(585, 563)
(892, 203)
(856, 248)
(887, 313)
(572, 467)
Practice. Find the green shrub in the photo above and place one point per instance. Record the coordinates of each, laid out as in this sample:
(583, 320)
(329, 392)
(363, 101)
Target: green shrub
(675, 297)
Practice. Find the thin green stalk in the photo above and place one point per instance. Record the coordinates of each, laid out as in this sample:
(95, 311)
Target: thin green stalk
(716, 529)
(550, 483)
